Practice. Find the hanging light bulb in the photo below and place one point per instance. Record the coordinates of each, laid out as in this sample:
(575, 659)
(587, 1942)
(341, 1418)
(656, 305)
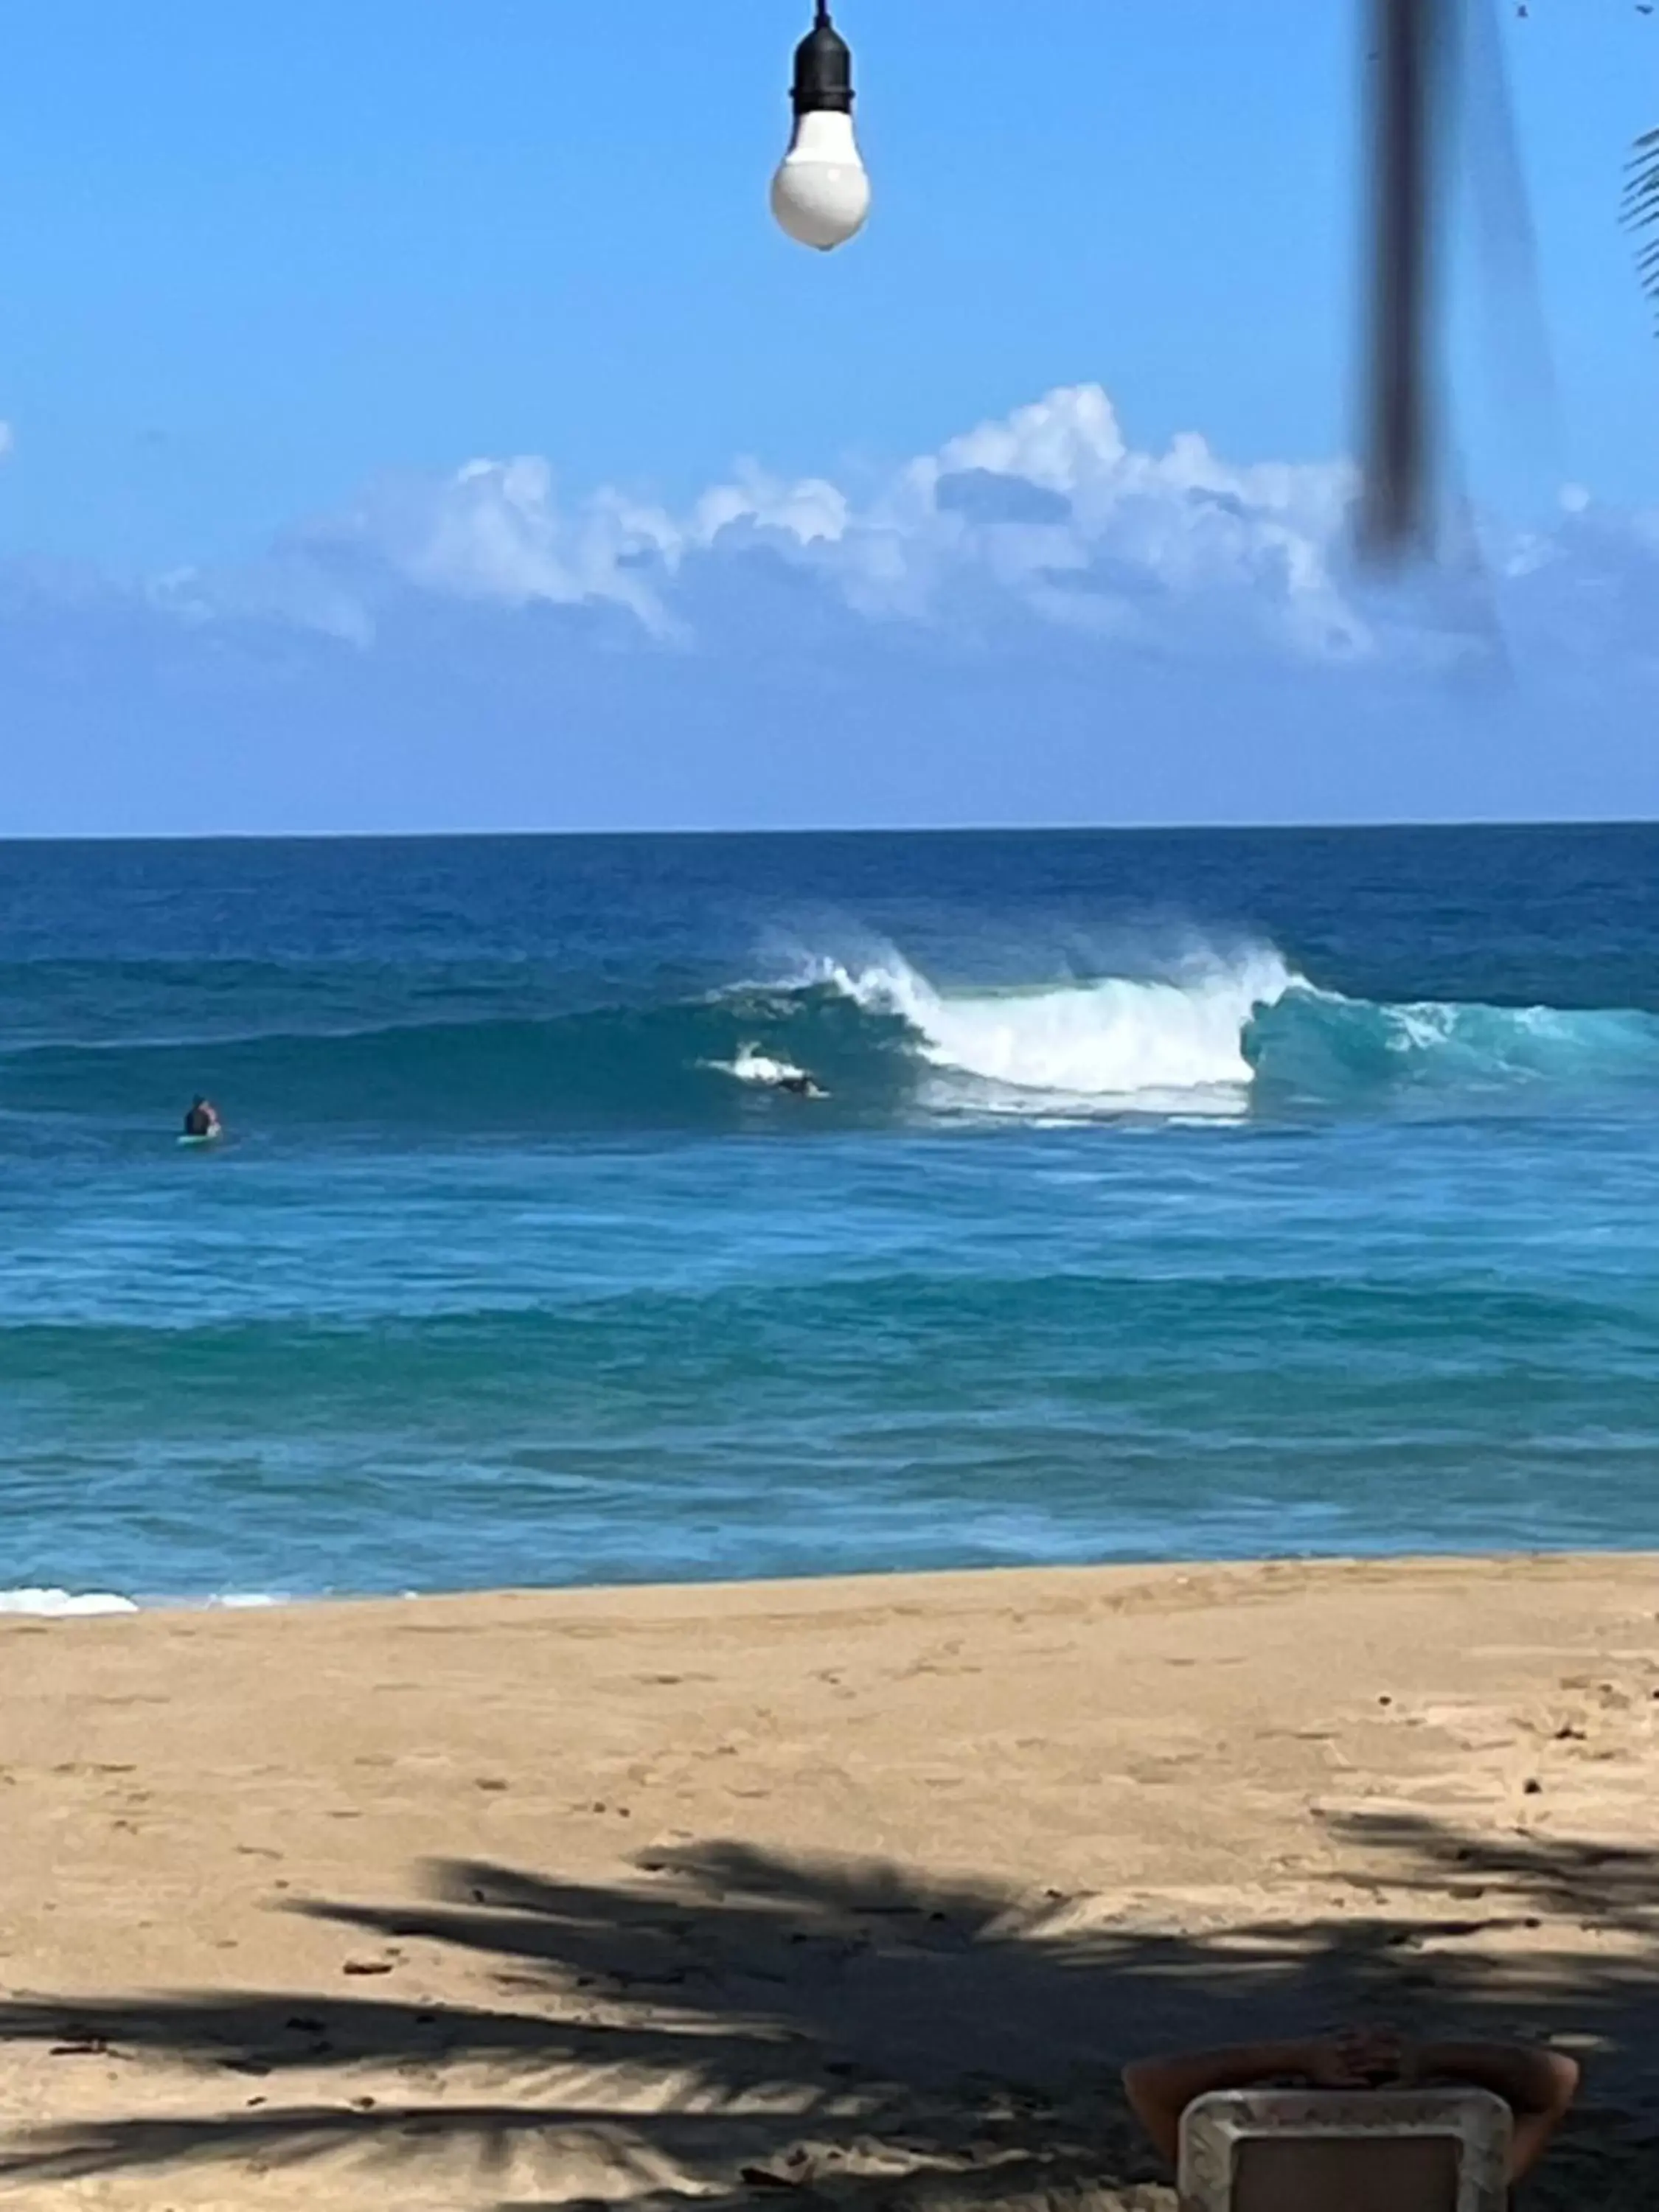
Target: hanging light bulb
(821, 193)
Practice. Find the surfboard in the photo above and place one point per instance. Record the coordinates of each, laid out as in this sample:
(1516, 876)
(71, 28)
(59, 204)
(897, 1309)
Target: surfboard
(208, 1137)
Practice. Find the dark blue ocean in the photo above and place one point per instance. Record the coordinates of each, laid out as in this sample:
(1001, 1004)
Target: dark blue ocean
(1174, 1195)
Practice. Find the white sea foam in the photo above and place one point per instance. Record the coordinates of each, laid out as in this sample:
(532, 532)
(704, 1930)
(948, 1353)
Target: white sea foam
(63, 1605)
(87, 1605)
(1115, 1040)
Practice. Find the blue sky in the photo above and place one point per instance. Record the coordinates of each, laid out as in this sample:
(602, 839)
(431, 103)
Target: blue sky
(271, 280)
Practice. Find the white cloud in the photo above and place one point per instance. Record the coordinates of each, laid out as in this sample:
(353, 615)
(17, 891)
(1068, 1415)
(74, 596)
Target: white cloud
(7, 440)
(1048, 520)
(1047, 516)
(1045, 532)
(1037, 621)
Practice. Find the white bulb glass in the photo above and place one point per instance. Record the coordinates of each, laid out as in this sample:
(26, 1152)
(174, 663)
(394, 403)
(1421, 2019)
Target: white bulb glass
(821, 193)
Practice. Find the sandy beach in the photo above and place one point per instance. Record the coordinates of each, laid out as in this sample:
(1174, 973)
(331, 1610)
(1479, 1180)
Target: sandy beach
(851, 1891)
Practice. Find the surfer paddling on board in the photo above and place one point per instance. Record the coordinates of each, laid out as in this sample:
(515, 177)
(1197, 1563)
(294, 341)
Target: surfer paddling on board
(754, 1066)
(202, 1122)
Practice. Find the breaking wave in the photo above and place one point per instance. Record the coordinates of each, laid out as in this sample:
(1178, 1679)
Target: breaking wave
(1108, 1041)
(1224, 1036)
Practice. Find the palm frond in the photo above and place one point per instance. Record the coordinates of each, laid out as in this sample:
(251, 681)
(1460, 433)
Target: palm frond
(1640, 207)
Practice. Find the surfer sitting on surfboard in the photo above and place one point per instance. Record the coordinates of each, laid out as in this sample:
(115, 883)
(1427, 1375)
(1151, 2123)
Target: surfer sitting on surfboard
(202, 1119)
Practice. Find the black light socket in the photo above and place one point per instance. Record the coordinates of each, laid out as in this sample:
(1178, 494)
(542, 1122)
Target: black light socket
(824, 70)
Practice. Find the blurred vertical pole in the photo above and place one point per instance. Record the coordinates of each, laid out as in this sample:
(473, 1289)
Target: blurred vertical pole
(1397, 506)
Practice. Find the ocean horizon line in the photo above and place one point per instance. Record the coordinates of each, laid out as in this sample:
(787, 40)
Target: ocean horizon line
(1378, 826)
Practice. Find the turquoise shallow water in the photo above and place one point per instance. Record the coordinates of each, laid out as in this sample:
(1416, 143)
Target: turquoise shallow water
(1172, 1195)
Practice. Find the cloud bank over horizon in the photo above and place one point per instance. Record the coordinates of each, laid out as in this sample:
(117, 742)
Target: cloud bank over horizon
(1038, 621)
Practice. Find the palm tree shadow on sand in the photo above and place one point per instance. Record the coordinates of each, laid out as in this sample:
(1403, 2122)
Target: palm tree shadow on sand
(738, 2028)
